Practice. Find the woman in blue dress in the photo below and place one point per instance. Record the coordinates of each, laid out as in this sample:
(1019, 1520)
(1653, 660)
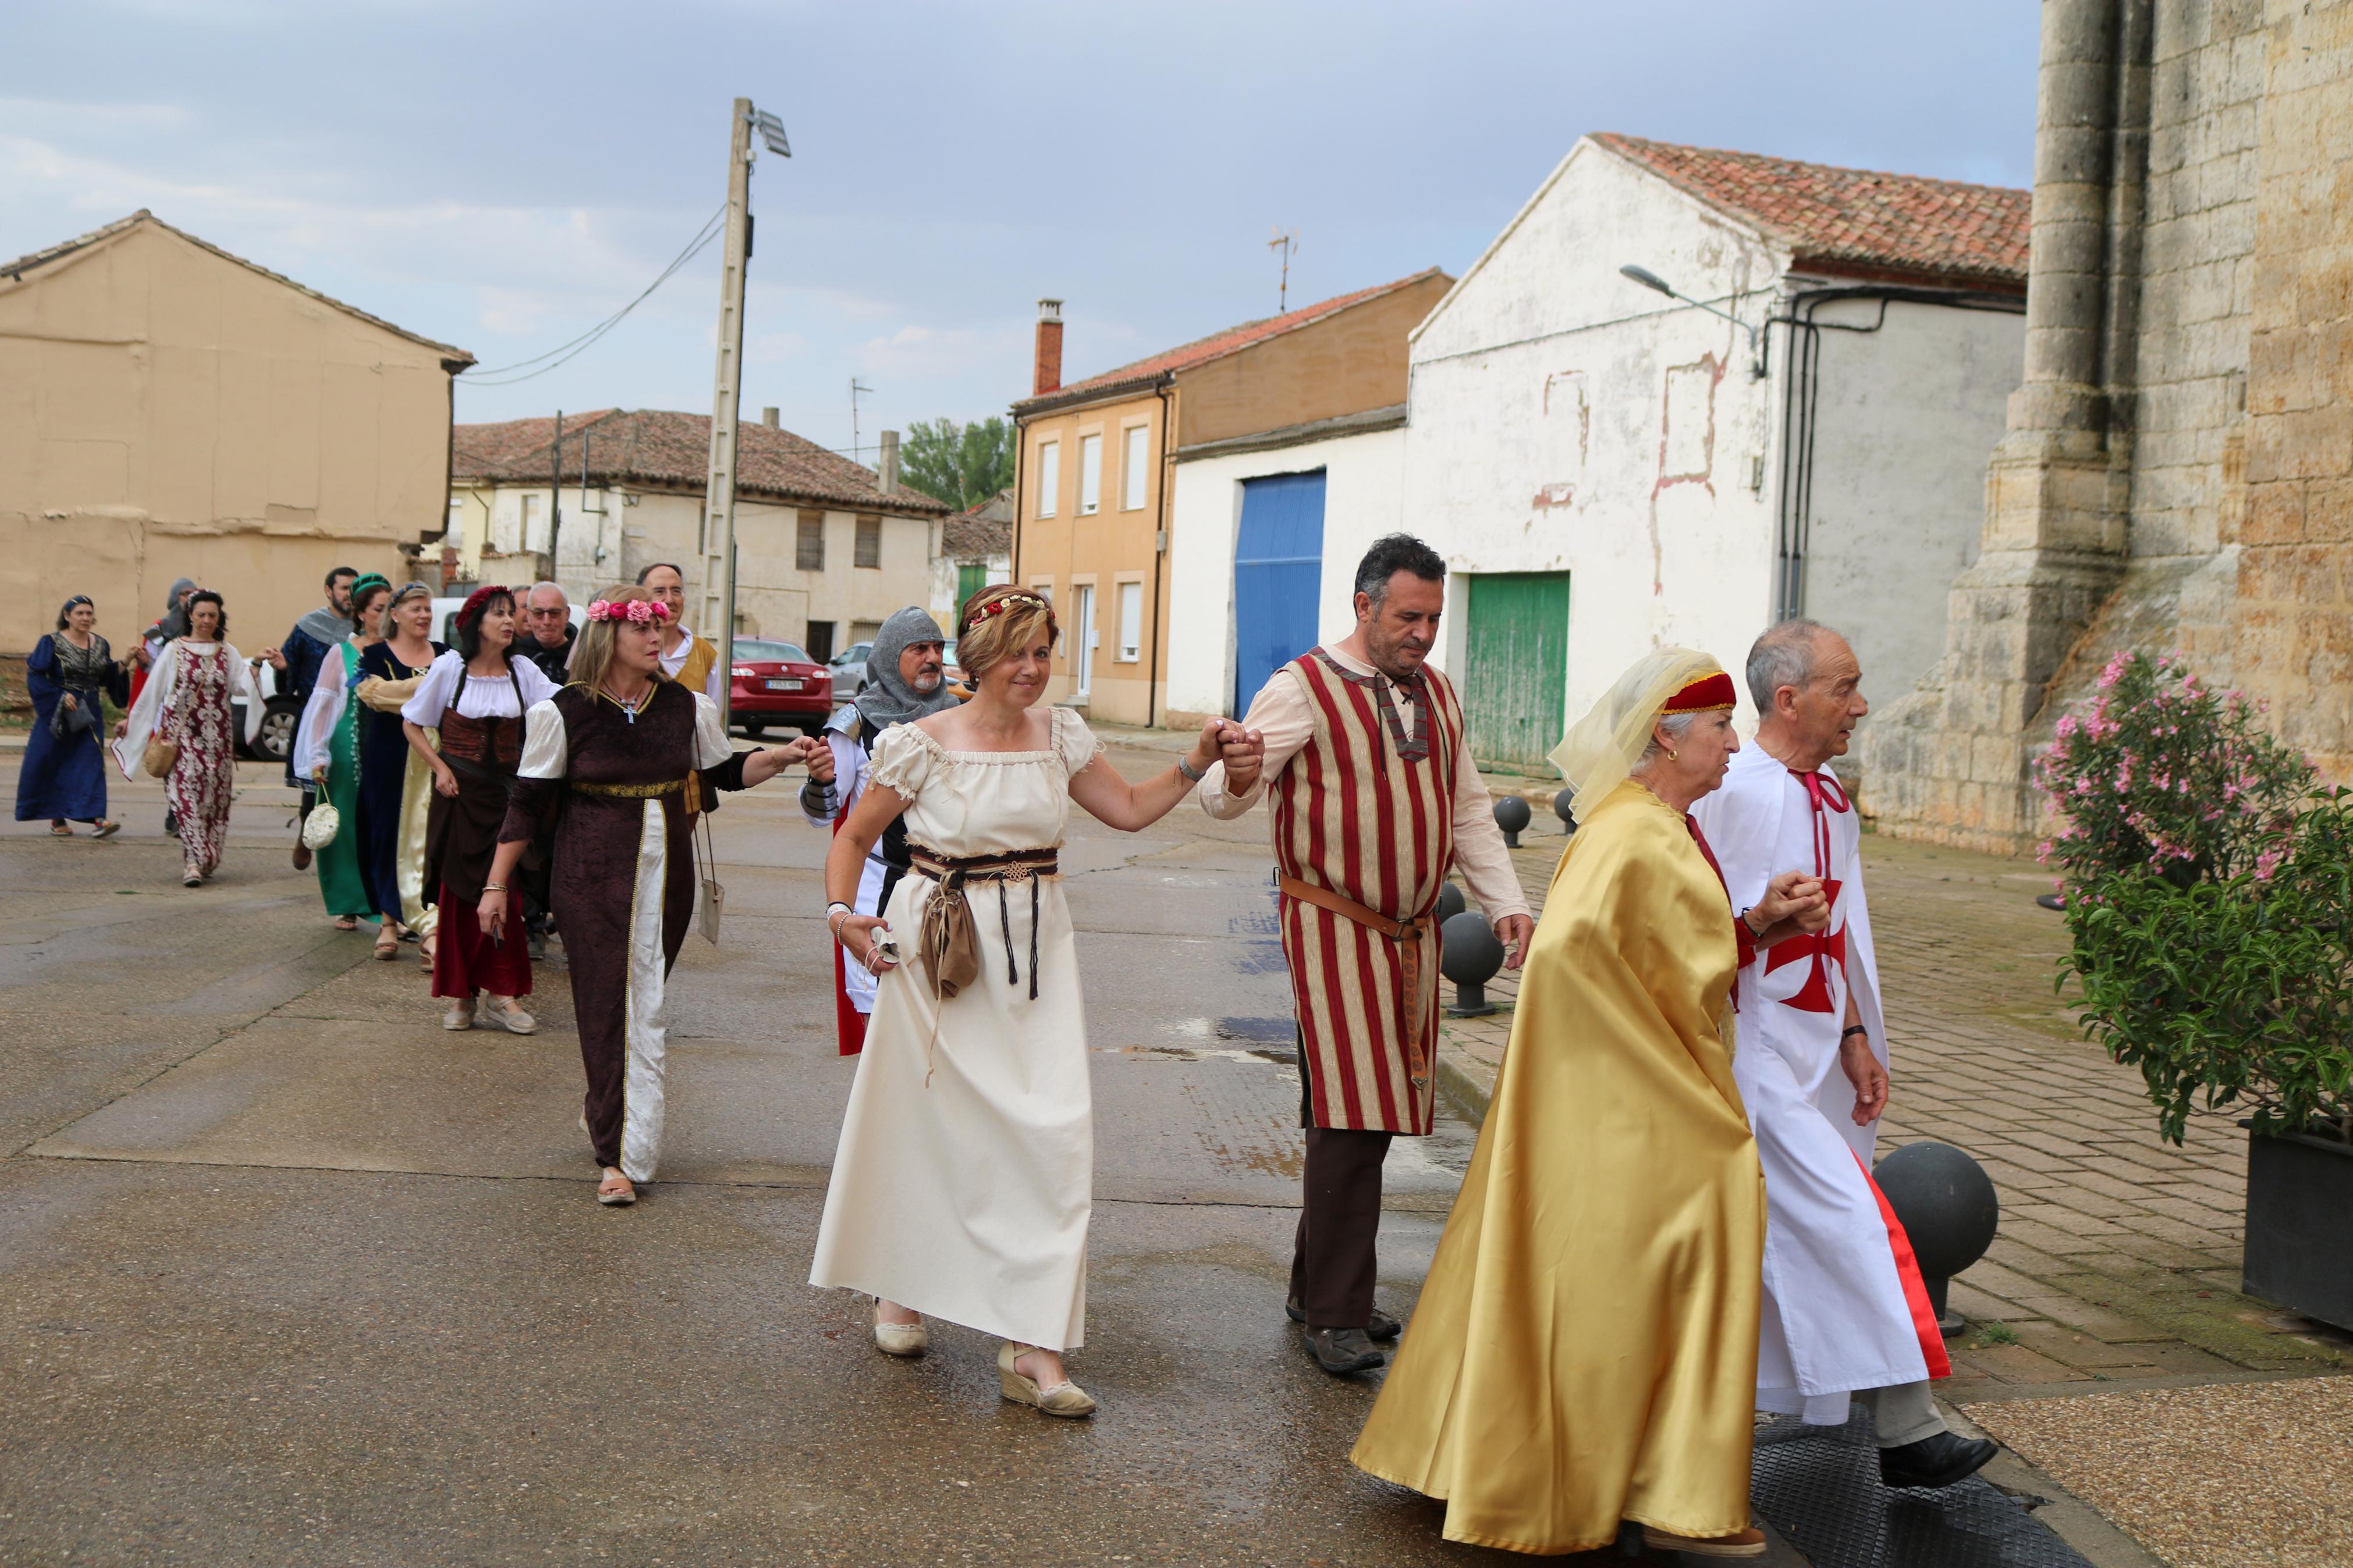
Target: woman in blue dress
(389, 673)
(64, 776)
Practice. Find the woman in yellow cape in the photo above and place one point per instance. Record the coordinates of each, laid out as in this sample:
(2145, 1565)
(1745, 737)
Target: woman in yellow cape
(1585, 1349)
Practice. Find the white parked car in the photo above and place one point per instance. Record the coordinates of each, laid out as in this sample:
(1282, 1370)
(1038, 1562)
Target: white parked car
(848, 668)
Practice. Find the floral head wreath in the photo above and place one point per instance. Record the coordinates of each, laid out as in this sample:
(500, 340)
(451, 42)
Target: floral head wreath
(480, 600)
(636, 611)
(975, 613)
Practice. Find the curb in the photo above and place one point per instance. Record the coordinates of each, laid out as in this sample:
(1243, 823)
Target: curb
(1469, 1098)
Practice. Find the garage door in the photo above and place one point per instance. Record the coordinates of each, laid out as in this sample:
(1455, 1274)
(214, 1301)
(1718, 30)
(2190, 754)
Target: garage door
(1278, 576)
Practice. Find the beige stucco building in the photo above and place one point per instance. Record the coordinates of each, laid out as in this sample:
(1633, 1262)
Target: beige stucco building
(824, 550)
(1093, 491)
(170, 410)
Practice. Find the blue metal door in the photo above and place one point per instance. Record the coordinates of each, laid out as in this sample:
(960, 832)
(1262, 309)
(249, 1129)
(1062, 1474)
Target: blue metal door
(1278, 578)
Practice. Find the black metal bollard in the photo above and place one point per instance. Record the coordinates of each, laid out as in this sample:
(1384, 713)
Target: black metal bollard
(1450, 903)
(1560, 809)
(1512, 814)
(1948, 1208)
(1471, 955)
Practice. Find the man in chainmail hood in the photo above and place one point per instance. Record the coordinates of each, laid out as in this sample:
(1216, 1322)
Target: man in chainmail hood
(906, 677)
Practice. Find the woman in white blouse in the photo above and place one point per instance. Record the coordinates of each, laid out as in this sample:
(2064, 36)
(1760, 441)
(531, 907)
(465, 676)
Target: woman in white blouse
(476, 696)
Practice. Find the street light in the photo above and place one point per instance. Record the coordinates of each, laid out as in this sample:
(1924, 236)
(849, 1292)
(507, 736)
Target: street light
(772, 133)
(1649, 279)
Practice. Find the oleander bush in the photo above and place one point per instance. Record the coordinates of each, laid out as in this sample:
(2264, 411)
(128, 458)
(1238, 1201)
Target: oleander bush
(2209, 889)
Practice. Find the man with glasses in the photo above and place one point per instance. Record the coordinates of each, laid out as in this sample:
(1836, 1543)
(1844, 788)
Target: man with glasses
(547, 634)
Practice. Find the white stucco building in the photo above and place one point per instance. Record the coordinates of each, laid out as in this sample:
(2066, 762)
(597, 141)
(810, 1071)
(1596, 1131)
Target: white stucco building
(1607, 470)
(823, 551)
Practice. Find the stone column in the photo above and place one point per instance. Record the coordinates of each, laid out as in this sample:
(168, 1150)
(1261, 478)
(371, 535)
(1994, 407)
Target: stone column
(1950, 760)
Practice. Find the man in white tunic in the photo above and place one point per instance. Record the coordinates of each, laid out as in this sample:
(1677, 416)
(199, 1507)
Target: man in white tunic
(909, 681)
(1844, 1311)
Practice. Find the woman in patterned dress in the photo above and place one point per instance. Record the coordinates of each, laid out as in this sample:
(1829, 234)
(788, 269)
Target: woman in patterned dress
(187, 702)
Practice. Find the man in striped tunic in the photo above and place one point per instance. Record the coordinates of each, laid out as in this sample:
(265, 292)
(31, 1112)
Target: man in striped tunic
(1375, 798)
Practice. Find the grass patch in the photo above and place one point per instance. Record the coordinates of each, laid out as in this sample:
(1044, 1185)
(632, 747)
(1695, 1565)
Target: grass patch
(1993, 1335)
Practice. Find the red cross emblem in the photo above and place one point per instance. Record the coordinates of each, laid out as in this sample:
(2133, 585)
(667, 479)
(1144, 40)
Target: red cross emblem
(1823, 948)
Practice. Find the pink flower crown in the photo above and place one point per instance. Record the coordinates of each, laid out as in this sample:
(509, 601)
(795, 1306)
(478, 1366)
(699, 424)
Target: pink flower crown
(638, 610)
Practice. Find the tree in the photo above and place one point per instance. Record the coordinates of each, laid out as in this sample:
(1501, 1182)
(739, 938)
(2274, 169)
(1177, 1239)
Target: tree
(963, 464)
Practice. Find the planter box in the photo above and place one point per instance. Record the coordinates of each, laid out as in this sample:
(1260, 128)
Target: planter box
(2300, 1226)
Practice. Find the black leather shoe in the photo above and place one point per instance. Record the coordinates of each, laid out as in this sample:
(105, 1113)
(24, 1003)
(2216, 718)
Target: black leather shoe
(1382, 1329)
(1936, 1462)
(1341, 1351)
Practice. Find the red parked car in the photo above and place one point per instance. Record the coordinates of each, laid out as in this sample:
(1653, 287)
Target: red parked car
(776, 683)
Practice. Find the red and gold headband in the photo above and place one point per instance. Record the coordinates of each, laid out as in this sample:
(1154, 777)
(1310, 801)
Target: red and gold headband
(1708, 694)
(976, 614)
(480, 600)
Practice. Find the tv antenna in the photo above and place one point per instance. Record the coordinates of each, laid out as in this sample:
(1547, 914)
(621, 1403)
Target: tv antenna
(1286, 241)
(857, 389)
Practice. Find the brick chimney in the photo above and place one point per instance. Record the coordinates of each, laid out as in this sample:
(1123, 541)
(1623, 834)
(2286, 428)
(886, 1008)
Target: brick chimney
(1049, 347)
(888, 466)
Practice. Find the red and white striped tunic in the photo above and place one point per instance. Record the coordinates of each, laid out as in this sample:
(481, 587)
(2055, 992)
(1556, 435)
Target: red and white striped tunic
(1366, 809)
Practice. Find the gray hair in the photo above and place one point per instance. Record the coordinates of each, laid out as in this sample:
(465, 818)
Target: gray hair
(1784, 655)
(1676, 725)
(535, 590)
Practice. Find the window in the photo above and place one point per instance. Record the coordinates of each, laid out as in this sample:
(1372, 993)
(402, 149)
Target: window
(456, 536)
(1089, 474)
(1131, 469)
(1050, 475)
(1131, 621)
(535, 523)
(808, 554)
(870, 542)
(1084, 640)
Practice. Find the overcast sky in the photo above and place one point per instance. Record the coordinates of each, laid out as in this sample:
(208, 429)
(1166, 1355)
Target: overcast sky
(504, 176)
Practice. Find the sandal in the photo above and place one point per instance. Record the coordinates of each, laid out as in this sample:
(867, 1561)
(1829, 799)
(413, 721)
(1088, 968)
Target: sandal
(346, 923)
(388, 943)
(425, 955)
(616, 1191)
(60, 831)
(103, 829)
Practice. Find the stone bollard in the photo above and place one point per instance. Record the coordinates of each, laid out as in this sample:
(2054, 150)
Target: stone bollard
(1450, 903)
(1948, 1208)
(1560, 809)
(1512, 814)
(1471, 955)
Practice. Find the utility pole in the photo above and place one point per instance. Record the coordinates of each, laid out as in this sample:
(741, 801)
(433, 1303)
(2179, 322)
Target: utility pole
(726, 395)
(555, 505)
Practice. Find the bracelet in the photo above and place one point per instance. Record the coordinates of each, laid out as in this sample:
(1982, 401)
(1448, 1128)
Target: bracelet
(1853, 1029)
(494, 887)
(1185, 766)
(1745, 920)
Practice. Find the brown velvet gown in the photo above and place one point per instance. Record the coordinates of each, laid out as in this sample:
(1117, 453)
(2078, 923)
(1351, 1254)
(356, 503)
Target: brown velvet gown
(622, 883)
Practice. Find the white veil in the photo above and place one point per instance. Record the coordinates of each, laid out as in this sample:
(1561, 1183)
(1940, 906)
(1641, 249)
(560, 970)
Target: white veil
(1602, 748)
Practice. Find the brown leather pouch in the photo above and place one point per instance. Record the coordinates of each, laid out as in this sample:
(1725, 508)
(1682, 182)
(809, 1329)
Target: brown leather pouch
(159, 757)
(946, 939)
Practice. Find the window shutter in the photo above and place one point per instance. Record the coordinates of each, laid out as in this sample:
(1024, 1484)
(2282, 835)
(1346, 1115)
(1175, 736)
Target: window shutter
(1089, 474)
(870, 542)
(1131, 469)
(808, 554)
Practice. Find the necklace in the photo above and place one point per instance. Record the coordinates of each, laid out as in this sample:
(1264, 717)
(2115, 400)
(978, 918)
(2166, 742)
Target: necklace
(630, 707)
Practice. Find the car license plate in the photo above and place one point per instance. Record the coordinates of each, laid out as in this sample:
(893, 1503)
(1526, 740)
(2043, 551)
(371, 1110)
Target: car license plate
(786, 685)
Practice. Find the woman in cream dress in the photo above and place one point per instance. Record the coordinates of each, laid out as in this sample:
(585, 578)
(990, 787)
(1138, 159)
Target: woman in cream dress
(962, 1184)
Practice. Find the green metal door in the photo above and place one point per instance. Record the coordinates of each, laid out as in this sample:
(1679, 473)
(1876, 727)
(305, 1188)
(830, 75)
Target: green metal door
(971, 578)
(1515, 682)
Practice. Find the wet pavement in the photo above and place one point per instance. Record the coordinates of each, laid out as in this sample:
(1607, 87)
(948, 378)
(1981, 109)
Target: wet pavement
(289, 1273)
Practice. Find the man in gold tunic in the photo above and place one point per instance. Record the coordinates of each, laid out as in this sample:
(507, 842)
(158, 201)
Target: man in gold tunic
(1584, 1352)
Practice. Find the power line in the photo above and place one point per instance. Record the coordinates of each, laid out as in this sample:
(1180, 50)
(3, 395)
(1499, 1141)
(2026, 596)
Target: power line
(587, 340)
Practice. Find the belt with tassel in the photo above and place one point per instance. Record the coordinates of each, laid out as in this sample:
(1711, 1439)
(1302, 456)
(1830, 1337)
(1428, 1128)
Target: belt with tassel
(950, 871)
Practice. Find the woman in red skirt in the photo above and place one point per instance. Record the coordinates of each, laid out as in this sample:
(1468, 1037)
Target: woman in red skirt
(476, 696)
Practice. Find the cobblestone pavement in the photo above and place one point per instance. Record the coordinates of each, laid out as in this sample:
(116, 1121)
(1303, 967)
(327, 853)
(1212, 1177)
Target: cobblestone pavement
(2118, 1257)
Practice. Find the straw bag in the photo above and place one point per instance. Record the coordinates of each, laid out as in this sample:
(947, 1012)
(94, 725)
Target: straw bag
(160, 758)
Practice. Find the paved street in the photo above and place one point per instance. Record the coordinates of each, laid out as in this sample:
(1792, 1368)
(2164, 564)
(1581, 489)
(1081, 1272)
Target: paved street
(293, 1275)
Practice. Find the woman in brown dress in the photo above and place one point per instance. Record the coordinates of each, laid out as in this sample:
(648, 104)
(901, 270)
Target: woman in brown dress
(476, 695)
(623, 760)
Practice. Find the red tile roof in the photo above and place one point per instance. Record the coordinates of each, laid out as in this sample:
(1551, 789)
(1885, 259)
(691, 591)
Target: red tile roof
(982, 530)
(651, 447)
(14, 271)
(1218, 344)
(1853, 221)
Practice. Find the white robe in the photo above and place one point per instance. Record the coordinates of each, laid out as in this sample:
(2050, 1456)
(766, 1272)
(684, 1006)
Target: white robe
(849, 783)
(163, 686)
(1835, 1319)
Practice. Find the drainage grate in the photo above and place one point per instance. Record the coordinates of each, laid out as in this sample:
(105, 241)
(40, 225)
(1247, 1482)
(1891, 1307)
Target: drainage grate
(1820, 1486)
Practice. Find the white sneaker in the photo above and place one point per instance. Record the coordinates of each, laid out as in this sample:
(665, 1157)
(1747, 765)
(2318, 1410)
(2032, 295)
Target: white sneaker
(503, 1014)
(461, 1015)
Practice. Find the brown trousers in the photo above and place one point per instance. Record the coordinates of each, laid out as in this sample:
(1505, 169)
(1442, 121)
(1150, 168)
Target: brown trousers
(1332, 1263)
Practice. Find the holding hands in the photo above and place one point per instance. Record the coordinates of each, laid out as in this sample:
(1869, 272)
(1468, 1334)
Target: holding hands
(1242, 750)
(1795, 904)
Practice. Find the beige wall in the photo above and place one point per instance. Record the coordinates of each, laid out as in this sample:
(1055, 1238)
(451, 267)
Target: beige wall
(166, 411)
(1058, 552)
(1349, 362)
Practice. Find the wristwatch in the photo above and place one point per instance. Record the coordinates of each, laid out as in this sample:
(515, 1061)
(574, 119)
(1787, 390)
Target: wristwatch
(1185, 766)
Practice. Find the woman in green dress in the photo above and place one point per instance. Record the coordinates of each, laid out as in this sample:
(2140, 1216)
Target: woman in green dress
(326, 748)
